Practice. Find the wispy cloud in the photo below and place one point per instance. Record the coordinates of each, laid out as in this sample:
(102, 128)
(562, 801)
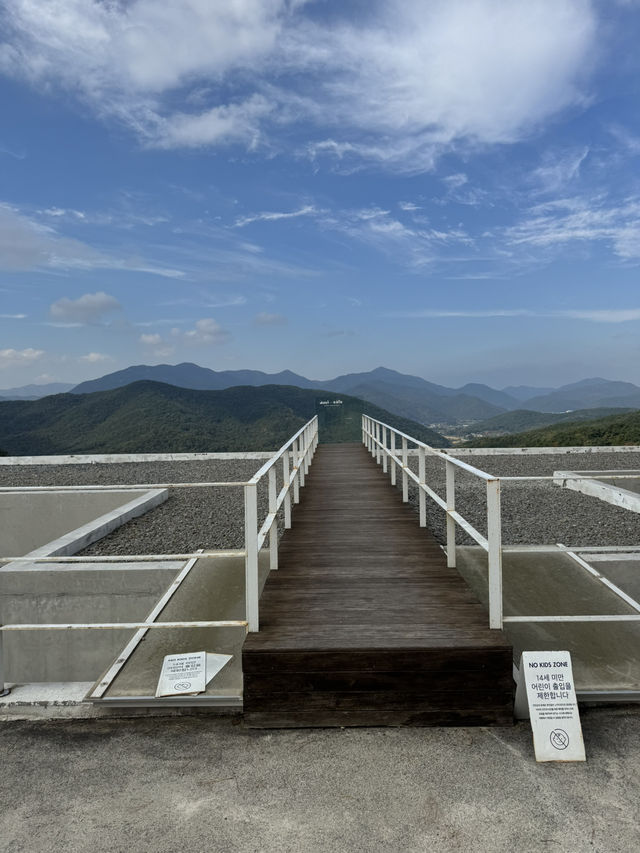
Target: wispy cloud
(269, 216)
(413, 246)
(595, 315)
(558, 169)
(27, 244)
(266, 319)
(13, 316)
(581, 220)
(405, 84)
(95, 358)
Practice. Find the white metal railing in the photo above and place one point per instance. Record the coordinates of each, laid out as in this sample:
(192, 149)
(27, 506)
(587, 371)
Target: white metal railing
(380, 439)
(295, 455)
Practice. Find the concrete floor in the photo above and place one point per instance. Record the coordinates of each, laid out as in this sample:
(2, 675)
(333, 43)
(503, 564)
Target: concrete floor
(206, 784)
(604, 655)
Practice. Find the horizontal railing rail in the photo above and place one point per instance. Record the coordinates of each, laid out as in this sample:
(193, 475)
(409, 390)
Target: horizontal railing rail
(295, 456)
(381, 441)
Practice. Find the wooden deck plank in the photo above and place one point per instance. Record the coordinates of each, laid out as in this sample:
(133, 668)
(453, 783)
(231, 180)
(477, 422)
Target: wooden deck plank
(363, 623)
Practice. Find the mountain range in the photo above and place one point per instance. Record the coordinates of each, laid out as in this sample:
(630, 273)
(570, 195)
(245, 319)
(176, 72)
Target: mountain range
(403, 394)
(153, 417)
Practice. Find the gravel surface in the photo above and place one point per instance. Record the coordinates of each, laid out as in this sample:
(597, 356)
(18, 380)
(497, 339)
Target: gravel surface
(535, 513)
(532, 512)
(208, 518)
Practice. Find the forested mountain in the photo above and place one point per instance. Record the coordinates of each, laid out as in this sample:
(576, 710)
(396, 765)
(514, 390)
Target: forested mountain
(613, 430)
(155, 417)
(524, 419)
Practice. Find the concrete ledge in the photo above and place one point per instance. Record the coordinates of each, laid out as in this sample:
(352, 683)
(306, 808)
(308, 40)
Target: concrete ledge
(102, 458)
(75, 540)
(612, 490)
(537, 451)
(65, 700)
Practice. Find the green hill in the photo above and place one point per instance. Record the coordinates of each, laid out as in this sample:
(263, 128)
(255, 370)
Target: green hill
(151, 417)
(525, 419)
(612, 430)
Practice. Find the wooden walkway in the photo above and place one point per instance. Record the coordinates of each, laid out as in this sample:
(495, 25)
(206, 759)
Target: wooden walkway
(363, 623)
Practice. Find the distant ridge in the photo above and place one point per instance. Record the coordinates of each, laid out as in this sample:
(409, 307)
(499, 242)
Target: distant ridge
(188, 375)
(403, 394)
(34, 392)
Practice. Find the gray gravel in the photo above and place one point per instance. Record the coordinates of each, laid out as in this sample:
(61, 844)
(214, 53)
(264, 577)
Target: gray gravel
(536, 513)
(532, 512)
(190, 518)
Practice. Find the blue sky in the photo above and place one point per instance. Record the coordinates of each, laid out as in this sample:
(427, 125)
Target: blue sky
(449, 188)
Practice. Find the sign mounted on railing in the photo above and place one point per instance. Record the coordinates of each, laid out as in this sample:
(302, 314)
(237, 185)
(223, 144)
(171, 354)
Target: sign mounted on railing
(546, 693)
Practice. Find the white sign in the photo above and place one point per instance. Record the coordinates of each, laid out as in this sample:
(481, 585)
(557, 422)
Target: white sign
(545, 685)
(188, 674)
(183, 674)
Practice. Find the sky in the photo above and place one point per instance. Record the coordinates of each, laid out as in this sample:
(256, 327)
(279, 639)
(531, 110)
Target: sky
(447, 188)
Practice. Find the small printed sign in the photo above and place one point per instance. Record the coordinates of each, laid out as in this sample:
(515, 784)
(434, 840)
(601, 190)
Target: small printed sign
(546, 689)
(183, 675)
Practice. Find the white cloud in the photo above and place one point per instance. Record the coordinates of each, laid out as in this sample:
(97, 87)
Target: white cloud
(423, 77)
(206, 331)
(13, 316)
(87, 309)
(454, 182)
(159, 346)
(95, 357)
(401, 85)
(267, 216)
(266, 319)
(19, 358)
(151, 340)
(409, 206)
(239, 122)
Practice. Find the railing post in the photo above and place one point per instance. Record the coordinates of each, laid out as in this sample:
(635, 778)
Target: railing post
(301, 460)
(251, 556)
(378, 440)
(422, 498)
(273, 530)
(296, 477)
(384, 451)
(405, 476)
(286, 473)
(4, 691)
(372, 435)
(307, 446)
(451, 505)
(494, 556)
(393, 458)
